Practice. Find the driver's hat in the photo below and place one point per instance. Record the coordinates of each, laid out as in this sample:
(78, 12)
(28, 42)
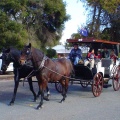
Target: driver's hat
(75, 44)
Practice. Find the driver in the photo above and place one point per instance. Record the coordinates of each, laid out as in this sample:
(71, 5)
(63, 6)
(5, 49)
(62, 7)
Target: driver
(76, 54)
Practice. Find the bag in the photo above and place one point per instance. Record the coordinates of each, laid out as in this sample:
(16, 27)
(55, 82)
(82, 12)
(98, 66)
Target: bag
(80, 61)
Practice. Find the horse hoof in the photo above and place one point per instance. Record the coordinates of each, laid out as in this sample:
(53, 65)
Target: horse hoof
(39, 107)
(11, 104)
(35, 100)
(42, 106)
(61, 101)
(46, 98)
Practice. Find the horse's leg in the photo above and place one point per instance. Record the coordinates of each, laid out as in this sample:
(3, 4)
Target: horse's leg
(31, 88)
(64, 89)
(48, 91)
(16, 80)
(42, 86)
(42, 97)
(45, 97)
(38, 94)
(48, 94)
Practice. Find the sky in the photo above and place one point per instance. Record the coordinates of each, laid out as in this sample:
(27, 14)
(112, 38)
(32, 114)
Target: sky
(77, 12)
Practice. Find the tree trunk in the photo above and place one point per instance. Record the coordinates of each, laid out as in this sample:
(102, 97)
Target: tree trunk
(93, 19)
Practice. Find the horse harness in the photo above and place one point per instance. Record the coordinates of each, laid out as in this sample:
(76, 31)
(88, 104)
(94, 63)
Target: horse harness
(41, 66)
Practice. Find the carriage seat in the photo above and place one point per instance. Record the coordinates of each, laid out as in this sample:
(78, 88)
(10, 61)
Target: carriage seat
(96, 61)
(106, 62)
(83, 72)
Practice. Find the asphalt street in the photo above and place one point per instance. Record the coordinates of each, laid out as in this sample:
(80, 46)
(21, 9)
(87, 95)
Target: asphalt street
(80, 104)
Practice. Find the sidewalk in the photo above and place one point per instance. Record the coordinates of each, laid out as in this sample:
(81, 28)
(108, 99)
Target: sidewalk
(7, 76)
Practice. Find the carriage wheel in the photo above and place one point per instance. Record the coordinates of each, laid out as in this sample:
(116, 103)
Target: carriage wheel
(116, 83)
(97, 85)
(84, 84)
(116, 79)
(114, 68)
(58, 87)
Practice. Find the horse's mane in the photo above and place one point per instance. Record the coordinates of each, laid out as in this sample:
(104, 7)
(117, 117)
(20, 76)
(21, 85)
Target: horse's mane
(15, 51)
(38, 51)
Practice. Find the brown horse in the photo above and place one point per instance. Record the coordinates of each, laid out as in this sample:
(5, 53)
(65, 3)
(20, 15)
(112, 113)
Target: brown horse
(47, 70)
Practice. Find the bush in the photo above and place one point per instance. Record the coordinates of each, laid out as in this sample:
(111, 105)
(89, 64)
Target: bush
(51, 53)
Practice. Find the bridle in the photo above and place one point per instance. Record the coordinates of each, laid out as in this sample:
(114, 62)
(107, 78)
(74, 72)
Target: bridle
(6, 57)
(28, 56)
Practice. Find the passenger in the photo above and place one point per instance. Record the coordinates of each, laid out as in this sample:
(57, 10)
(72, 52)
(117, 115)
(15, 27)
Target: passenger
(99, 55)
(75, 54)
(90, 58)
(113, 56)
(105, 53)
(61, 56)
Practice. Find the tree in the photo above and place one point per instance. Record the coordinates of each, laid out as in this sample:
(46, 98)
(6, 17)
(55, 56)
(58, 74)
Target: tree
(39, 21)
(104, 15)
(11, 33)
(51, 53)
(75, 36)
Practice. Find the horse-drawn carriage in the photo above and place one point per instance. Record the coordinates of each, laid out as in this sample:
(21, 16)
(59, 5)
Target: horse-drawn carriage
(59, 71)
(103, 71)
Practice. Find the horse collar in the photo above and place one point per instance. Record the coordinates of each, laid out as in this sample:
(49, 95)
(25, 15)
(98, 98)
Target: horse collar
(43, 62)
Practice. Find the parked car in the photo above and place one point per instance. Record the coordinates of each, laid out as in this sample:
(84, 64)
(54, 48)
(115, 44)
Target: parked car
(10, 67)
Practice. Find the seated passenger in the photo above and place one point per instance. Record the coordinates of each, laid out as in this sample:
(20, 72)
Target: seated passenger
(61, 55)
(99, 55)
(75, 55)
(105, 53)
(113, 56)
(90, 58)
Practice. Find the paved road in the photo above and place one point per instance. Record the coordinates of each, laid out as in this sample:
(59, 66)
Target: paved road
(79, 105)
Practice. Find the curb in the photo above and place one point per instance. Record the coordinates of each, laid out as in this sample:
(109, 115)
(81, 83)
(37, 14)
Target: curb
(6, 77)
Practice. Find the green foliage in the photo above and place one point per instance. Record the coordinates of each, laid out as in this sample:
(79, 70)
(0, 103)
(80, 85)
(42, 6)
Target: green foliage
(108, 5)
(104, 14)
(76, 36)
(105, 35)
(23, 20)
(51, 53)
(11, 33)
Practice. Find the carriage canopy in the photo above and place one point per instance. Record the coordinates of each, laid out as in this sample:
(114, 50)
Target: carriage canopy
(96, 43)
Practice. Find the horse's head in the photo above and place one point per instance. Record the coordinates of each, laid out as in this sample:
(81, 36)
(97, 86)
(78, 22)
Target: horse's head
(5, 59)
(25, 54)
